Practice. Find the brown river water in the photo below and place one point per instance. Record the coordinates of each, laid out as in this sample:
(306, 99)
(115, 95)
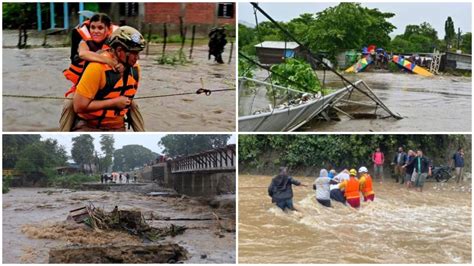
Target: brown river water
(38, 72)
(400, 226)
(427, 104)
(34, 222)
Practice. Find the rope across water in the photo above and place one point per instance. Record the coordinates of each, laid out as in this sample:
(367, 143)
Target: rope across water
(199, 91)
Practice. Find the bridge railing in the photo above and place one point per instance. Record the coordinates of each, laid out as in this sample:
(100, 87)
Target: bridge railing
(221, 159)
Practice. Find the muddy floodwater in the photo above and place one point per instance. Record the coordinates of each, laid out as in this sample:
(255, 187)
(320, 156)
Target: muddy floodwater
(38, 72)
(33, 223)
(399, 227)
(427, 104)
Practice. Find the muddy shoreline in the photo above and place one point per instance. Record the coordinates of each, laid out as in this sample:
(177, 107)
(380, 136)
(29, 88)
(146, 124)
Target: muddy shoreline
(30, 212)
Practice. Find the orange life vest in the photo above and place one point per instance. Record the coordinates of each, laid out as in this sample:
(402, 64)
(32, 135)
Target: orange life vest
(352, 188)
(367, 189)
(113, 88)
(74, 72)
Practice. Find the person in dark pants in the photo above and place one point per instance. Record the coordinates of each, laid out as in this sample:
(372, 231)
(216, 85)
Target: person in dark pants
(422, 168)
(458, 162)
(409, 169)
(398, 161)
(217, 41)
(127, 176)
(281, 191)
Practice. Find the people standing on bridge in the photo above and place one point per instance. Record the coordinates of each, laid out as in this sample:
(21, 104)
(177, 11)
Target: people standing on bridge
(365, 184)
(127, 176)
(422, 168)
(409, 169)
(398, 161)
(135, 177)
(321, 185)
(103, 96)
(378, 159)
(458, 163)
(351, 189)
(281, 190)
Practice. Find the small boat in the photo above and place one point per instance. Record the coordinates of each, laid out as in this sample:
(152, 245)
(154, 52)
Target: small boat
(290, 117)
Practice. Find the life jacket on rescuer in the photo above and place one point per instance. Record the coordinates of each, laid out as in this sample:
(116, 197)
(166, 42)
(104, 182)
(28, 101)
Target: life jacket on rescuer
(114, 87)
(81, 33)
(352, 188)
(366, 188)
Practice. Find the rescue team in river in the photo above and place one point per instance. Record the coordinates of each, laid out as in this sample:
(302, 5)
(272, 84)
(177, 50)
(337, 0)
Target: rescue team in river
(344, 187)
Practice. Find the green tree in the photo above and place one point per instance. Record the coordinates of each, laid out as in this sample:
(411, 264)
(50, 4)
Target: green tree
(449, 33)
(83, 150)
(347, 26)
(107, 147)
(181, 145)
(131, 156)
(466, 43)
(37, 160)
(267, 152)
(416, 38)
(13, 145)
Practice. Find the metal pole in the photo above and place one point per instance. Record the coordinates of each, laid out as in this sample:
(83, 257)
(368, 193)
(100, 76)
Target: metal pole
(66, 15)
(192, 42)
(52, 16)
(309, 51)
(38, 16)
(81, 17)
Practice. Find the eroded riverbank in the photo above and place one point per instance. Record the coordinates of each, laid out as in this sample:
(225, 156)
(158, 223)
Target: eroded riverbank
(33, 223)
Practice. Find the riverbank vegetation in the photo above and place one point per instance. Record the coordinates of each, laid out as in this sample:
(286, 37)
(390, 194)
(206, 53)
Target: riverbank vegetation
(302, 153)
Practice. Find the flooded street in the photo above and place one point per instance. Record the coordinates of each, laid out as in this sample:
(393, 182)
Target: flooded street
(34, 222)
(399, 227)
(38, 72)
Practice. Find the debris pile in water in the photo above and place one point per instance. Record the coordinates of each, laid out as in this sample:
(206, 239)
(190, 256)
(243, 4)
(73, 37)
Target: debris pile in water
(130, 221)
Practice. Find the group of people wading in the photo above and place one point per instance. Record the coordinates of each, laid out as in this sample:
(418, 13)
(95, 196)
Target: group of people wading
(105, 75)
(345, 187)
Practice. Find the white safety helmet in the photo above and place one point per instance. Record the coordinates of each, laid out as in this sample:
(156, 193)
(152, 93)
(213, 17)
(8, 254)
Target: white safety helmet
(363, 169)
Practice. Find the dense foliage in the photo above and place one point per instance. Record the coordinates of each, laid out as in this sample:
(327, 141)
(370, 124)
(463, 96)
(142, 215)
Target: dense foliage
(131, 156)
(335, 29)
(416, 38)
(299, 73)
(82, 151)
(182, 145)
(73, 181)
(264, 152)
(351, 26)
(107, 147)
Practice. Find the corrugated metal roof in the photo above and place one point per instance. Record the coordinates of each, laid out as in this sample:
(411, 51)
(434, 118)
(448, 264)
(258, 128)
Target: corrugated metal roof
(277, 45)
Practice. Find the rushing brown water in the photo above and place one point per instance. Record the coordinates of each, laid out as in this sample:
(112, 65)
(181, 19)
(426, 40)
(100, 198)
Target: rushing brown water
(34, 222)
(38, 72)
(440, 103)
(400, 226)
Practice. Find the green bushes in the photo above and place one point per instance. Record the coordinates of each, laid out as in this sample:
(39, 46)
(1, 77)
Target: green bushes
(6, 183)
(71, 181)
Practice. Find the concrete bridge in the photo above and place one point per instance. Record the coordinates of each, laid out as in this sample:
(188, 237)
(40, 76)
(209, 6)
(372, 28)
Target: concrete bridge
(207, 173)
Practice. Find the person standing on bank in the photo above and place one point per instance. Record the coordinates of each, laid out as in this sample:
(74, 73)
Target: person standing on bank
(398, 161)
(458, 162)
(281, 190)
(422, 168)
(378, 159)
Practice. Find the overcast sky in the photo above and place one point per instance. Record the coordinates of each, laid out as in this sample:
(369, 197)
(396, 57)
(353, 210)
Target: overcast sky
(149, 141)
(405, 13)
